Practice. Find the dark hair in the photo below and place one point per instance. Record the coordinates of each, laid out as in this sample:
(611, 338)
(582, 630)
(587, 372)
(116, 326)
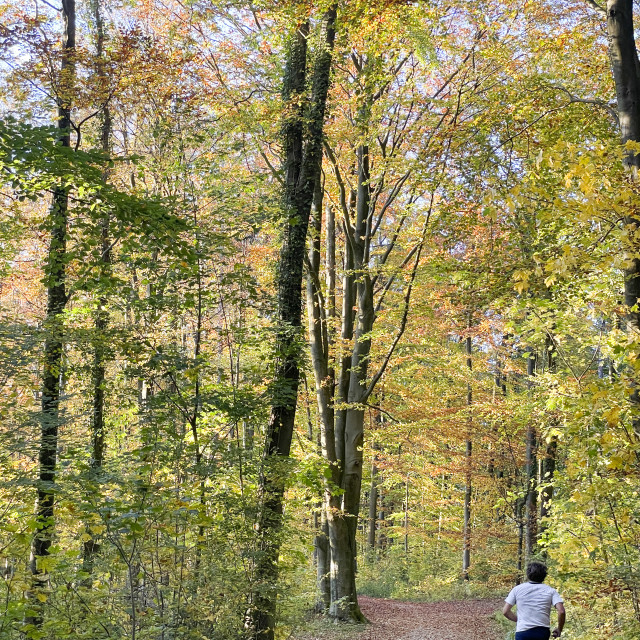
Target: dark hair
(536, 571)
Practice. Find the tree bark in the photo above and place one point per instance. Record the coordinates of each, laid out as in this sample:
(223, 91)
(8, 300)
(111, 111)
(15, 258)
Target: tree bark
(519, 516)
(551, 454)
(626, 73)
(531, 511)
(466, 534)
(55, 280)
(373, 506)
(302, 134)
(406, 517)
(324, 381)
(323, 565)
(344, 520)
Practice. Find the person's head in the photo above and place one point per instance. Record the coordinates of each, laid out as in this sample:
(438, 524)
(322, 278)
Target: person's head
(536, 572)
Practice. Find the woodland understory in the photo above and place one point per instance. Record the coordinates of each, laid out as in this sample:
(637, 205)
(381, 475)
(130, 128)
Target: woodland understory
(300, 301)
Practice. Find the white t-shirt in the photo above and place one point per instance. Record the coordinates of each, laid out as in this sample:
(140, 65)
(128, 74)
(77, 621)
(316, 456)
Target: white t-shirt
(534, 601)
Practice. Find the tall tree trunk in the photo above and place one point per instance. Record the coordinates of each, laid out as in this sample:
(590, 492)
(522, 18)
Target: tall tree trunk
(343, 521)
(55, 280)
(324, 379)
(302, 134)
(329, 387)
(466, 533)
(626, 73)
(331, 392)
(332, 425)
(342, 440)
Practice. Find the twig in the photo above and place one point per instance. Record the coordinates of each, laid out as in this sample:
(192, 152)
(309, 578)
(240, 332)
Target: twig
(381, 410)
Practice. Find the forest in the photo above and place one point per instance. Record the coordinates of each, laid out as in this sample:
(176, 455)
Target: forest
(302, 302)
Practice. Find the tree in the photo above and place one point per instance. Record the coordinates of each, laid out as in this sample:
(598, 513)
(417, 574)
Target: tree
(380, 187)
(55, 278)
(625, 67)
(302, 134)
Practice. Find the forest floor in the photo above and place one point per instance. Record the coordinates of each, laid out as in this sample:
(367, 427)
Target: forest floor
(395, 620)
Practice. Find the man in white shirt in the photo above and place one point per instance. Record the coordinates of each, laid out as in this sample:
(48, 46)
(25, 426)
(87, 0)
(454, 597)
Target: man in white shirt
(534, 600)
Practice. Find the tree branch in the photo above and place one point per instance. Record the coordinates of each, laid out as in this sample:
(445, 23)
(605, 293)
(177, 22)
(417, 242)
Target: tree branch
(274, 171)
(393, 194)
(597, 7)
(341, 185)
(598, 103)
(392, 277)
(51, 5)
(381, 410)
(401, 329)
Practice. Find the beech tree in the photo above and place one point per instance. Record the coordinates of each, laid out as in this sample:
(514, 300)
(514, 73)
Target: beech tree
(625, 65)
(385, 201)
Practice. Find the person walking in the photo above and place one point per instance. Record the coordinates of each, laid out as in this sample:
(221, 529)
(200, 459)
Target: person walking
(534, 601)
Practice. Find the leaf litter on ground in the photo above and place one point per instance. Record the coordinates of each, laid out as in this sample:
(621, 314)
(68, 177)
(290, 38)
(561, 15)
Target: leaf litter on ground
(397, 620)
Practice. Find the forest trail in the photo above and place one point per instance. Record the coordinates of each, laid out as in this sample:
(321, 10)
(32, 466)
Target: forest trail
(458, 620)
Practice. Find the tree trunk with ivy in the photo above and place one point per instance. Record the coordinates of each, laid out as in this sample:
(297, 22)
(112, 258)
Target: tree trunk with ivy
(302, 135)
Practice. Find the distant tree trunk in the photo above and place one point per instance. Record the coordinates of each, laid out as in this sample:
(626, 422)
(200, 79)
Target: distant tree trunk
(55, 281)
(626, 73)
(440, 516)
(302, 134)
(551, 453)
(531, 511)
(406, 516)
(500, 386)
(100, 350)
(373, 506)
(548, 471)
(519, 516)
(382, 518)
(466, 532)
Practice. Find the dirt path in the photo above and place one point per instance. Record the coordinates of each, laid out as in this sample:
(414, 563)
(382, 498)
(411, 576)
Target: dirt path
(464, 620)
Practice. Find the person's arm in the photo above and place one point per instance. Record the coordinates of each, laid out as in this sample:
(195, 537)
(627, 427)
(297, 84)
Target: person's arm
(510, 615)
(562, 616)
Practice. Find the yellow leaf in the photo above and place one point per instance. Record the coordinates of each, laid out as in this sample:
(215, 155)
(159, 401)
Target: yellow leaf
(612, 416)
(616, 462)
(606, 438)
